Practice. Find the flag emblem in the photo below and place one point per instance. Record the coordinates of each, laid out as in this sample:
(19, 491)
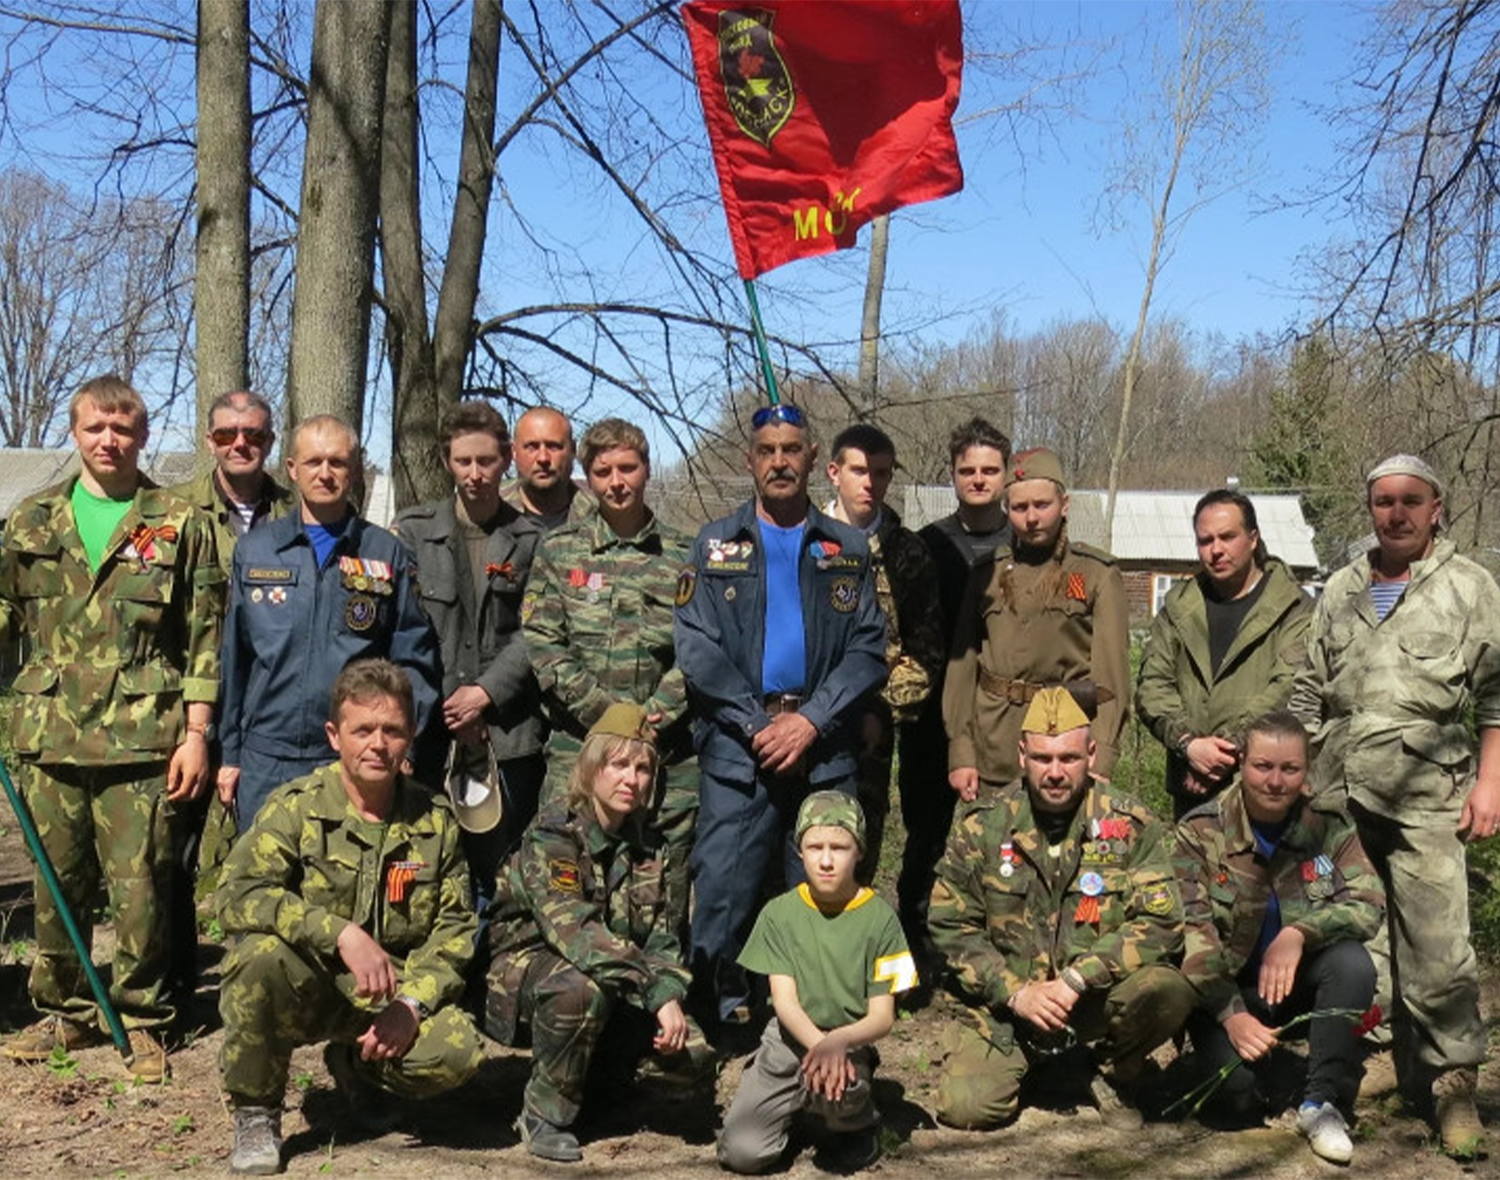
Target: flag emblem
(756, 83)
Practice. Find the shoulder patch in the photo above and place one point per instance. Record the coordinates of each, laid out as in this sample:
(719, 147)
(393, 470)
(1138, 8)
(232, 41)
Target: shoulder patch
(687, 583)
(1098, 555)
(562, 876)
(843, 594)
(1158, 901)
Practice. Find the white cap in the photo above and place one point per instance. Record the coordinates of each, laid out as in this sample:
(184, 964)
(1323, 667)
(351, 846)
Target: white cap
(1405, 465)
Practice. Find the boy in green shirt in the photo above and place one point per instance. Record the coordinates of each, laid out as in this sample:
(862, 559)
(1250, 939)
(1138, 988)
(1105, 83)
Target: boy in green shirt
(835, 956)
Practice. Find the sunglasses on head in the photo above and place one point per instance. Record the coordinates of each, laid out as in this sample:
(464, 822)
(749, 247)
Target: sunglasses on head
(224, 436)
(781, 412)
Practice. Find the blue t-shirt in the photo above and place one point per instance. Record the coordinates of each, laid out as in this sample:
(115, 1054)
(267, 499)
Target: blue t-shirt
(325, 536)
(783, 666)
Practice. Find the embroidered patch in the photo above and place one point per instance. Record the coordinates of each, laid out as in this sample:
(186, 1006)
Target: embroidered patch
(843, 594)
(562, 875)
(1158, 901)
(1078, 589)
(359, 612)
(687, 582)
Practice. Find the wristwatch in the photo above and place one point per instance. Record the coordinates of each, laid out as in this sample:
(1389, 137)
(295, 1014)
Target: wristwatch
(208, 731)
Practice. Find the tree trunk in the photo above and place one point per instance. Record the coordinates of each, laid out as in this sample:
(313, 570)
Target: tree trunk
(429, 368)
(330, 347)
(869, 331)
(221, 289)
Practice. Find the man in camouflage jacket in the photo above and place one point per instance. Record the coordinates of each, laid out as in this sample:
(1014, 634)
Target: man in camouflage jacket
(348, 904)
(1059, 915)
(119, 628)
(906, 586)
(598, 622)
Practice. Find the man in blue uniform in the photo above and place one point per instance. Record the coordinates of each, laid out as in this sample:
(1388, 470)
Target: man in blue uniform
(779, 636)
(309, 593)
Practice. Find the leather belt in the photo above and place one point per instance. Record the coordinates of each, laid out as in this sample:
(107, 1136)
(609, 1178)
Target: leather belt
(782, 702)
(1017, 692)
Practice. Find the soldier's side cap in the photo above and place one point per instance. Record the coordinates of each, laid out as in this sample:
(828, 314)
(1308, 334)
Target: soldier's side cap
(1037, 463)
(1405, 465)
(1053, 710)
(831, 809)
(625, 720)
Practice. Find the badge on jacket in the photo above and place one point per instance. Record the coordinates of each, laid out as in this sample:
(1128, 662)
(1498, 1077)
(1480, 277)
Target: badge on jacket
(687, 582)
(843, 594)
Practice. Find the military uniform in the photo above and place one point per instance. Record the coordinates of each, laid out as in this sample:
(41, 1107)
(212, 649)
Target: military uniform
(1388, 705)
(906, 586)
(1007, 912)
(579, 924)
(110, 660)
(291, 629)
(745, 816)
(308, 867)
(927, 801)
(206, 495)
(482, 644)
(1180, 696)
(1025, 624)
(1323, 885)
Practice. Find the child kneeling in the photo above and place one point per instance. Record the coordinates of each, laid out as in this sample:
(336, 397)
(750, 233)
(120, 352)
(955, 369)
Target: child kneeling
(835, 956)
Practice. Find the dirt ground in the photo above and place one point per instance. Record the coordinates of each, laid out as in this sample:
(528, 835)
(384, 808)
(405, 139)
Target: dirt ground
(82, 1117)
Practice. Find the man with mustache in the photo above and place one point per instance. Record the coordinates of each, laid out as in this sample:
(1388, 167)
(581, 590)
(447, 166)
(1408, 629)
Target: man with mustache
(780, 636)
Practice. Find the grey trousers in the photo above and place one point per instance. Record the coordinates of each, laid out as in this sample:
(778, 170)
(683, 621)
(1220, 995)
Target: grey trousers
(770, 1095)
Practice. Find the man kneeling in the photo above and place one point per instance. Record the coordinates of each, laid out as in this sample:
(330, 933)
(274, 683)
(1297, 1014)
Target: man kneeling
(1058, 912)
(350, 905)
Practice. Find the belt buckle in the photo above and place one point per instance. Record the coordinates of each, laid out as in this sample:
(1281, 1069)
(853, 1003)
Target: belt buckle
(1015, 692)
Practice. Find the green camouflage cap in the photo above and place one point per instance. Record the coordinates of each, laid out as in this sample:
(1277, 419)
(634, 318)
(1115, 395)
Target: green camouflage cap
(831, 809)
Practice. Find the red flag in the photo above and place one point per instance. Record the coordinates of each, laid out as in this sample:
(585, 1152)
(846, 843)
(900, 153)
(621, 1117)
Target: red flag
(824, 114)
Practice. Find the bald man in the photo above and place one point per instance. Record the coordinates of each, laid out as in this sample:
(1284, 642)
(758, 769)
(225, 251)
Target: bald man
(309, 593)
(543, 488)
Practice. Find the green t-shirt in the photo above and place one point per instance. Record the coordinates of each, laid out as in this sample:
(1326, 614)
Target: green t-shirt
(838, 960)
(97, 518)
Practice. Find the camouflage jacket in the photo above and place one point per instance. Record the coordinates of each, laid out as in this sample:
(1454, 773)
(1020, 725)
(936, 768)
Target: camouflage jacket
(1323, 882)
(1024, 624)
(109, 659)
(1107, 906)
(1388, 702)
(1180, 696)
(598, 622)
(906, 586)
(306, 869)
(203, 494)
(594, 899)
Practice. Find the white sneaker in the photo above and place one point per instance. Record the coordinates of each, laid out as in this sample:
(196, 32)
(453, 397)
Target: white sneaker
(1326, 1132)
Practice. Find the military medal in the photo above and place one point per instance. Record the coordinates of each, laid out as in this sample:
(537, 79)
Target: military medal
(1087, 912)
(595, 584)
(257, 594)
(399, 878)
(728, 593)
(1077, 588)
(1007, 858)
(1091, 884)
(359, 612)
(277, 595)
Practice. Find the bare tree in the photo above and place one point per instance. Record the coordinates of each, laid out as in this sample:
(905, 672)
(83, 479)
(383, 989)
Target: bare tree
(221, 293)
(1188, 148)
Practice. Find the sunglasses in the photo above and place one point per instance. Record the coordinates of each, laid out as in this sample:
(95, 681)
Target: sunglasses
(224, 436)
(782, 412)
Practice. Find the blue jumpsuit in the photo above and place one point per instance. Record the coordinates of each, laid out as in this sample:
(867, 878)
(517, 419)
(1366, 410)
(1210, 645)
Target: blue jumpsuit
(744, 815)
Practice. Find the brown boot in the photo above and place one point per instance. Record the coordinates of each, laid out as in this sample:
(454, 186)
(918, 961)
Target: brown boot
(37, 1042)
(1458, 1122)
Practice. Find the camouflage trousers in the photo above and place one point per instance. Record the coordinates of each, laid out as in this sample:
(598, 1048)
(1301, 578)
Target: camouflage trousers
(572, 1019)
(108, 824)
(877, 748)
(987, 1060)
(275, 997)
(770, 1094)
(674, 816)
(1427, 975)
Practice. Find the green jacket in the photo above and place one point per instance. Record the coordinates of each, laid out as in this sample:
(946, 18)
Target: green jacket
(1388, 703)
(109, 659)
(1179, 696)
(1323, 880)
(307, 868)
(204, 495)
(594, 899)
(1000, 931)
(598, 621)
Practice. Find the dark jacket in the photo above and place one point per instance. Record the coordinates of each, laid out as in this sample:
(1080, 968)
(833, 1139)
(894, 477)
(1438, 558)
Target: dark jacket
(481, 638)
(720, 633)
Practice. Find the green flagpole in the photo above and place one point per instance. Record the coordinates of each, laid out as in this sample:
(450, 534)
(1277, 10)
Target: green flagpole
(773, 395)
(54, 887)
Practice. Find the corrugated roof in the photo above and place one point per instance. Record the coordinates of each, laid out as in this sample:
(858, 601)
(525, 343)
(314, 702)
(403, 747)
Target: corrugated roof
(25, 471)
(1149, 526)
